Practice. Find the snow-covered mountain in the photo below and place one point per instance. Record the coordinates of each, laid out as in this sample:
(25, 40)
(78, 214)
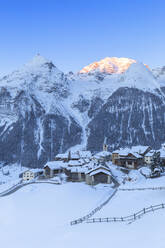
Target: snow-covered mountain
(109, 65)
(159, 74)
(44, 112)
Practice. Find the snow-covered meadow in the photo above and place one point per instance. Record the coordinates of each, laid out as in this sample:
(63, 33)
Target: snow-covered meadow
(38, 215)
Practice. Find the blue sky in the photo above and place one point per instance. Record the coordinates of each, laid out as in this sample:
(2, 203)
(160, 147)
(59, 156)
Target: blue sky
(74, 33)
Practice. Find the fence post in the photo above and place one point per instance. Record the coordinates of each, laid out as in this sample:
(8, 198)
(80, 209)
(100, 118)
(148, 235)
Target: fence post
(162, 205)
(134, 216)
(144, 210)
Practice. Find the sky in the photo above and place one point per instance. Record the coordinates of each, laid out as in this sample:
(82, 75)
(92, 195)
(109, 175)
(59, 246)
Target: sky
(75, 33)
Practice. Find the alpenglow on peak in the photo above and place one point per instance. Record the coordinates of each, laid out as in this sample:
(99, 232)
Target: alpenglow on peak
(109, 65)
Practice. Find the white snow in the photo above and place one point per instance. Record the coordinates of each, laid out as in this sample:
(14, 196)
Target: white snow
(56, 165)
(9, 176)
(94, 172)
(109, 65)
(39, 216)
(102, 154)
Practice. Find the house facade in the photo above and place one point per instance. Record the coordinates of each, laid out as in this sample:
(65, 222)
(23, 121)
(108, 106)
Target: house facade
(31, 174)
(75, 174)
(54, 168)
(100, 174)
(126, 158)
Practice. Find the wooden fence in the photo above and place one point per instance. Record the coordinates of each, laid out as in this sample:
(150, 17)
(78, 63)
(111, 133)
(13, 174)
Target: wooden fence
(150, 188)
(22, 184)
(129, 218)
(86, 217)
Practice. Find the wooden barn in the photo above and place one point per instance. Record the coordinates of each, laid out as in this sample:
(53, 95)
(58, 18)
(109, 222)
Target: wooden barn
(99, 174)
(127, 158)
(53, 168)
(75, 174)
(130, 161)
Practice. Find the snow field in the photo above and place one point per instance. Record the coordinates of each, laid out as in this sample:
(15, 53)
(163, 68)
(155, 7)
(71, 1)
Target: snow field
(38, 215)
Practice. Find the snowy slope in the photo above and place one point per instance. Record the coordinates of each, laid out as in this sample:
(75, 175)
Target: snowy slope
(39, 215)
(139, 76)
(159, 74)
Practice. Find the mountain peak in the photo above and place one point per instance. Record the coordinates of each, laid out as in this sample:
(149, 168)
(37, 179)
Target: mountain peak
(139, 75)
(37, 60)
(109, 65)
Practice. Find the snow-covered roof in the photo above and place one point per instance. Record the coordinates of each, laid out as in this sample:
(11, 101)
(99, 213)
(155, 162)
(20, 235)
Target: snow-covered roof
(100, 170)
(78, 169)
(126, 151)
(85, 154)
(122, 151)
(74, 155)
(86, 160)
(75, 163)
(62, 155)
(134, 150)
(90, 165)
(149, 154)
(36, 170)
(55, 165)
(162, 153)
(96, 167)
(139, 149)
(102, 154)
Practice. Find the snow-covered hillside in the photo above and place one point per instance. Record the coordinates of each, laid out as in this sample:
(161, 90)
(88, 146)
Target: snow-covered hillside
(159, 74)
(44, 112)
(39, 216)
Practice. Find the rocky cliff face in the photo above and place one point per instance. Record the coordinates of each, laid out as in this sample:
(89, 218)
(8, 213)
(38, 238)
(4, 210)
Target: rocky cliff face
(129, 117)
(44, 112)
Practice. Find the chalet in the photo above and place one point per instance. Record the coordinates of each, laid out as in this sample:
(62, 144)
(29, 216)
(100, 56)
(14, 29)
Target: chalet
(136, 150)
(148, 157)
(99, 174)
(53, 168)
(119, 153)
(126, 158)
(31, 174)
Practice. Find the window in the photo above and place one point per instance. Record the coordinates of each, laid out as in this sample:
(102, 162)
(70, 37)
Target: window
(129, 162)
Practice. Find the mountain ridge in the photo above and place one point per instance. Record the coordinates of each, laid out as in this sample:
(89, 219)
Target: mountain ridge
(44, 111)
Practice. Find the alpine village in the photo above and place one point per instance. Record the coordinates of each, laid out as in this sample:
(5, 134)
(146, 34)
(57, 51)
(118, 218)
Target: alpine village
(83, 166)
